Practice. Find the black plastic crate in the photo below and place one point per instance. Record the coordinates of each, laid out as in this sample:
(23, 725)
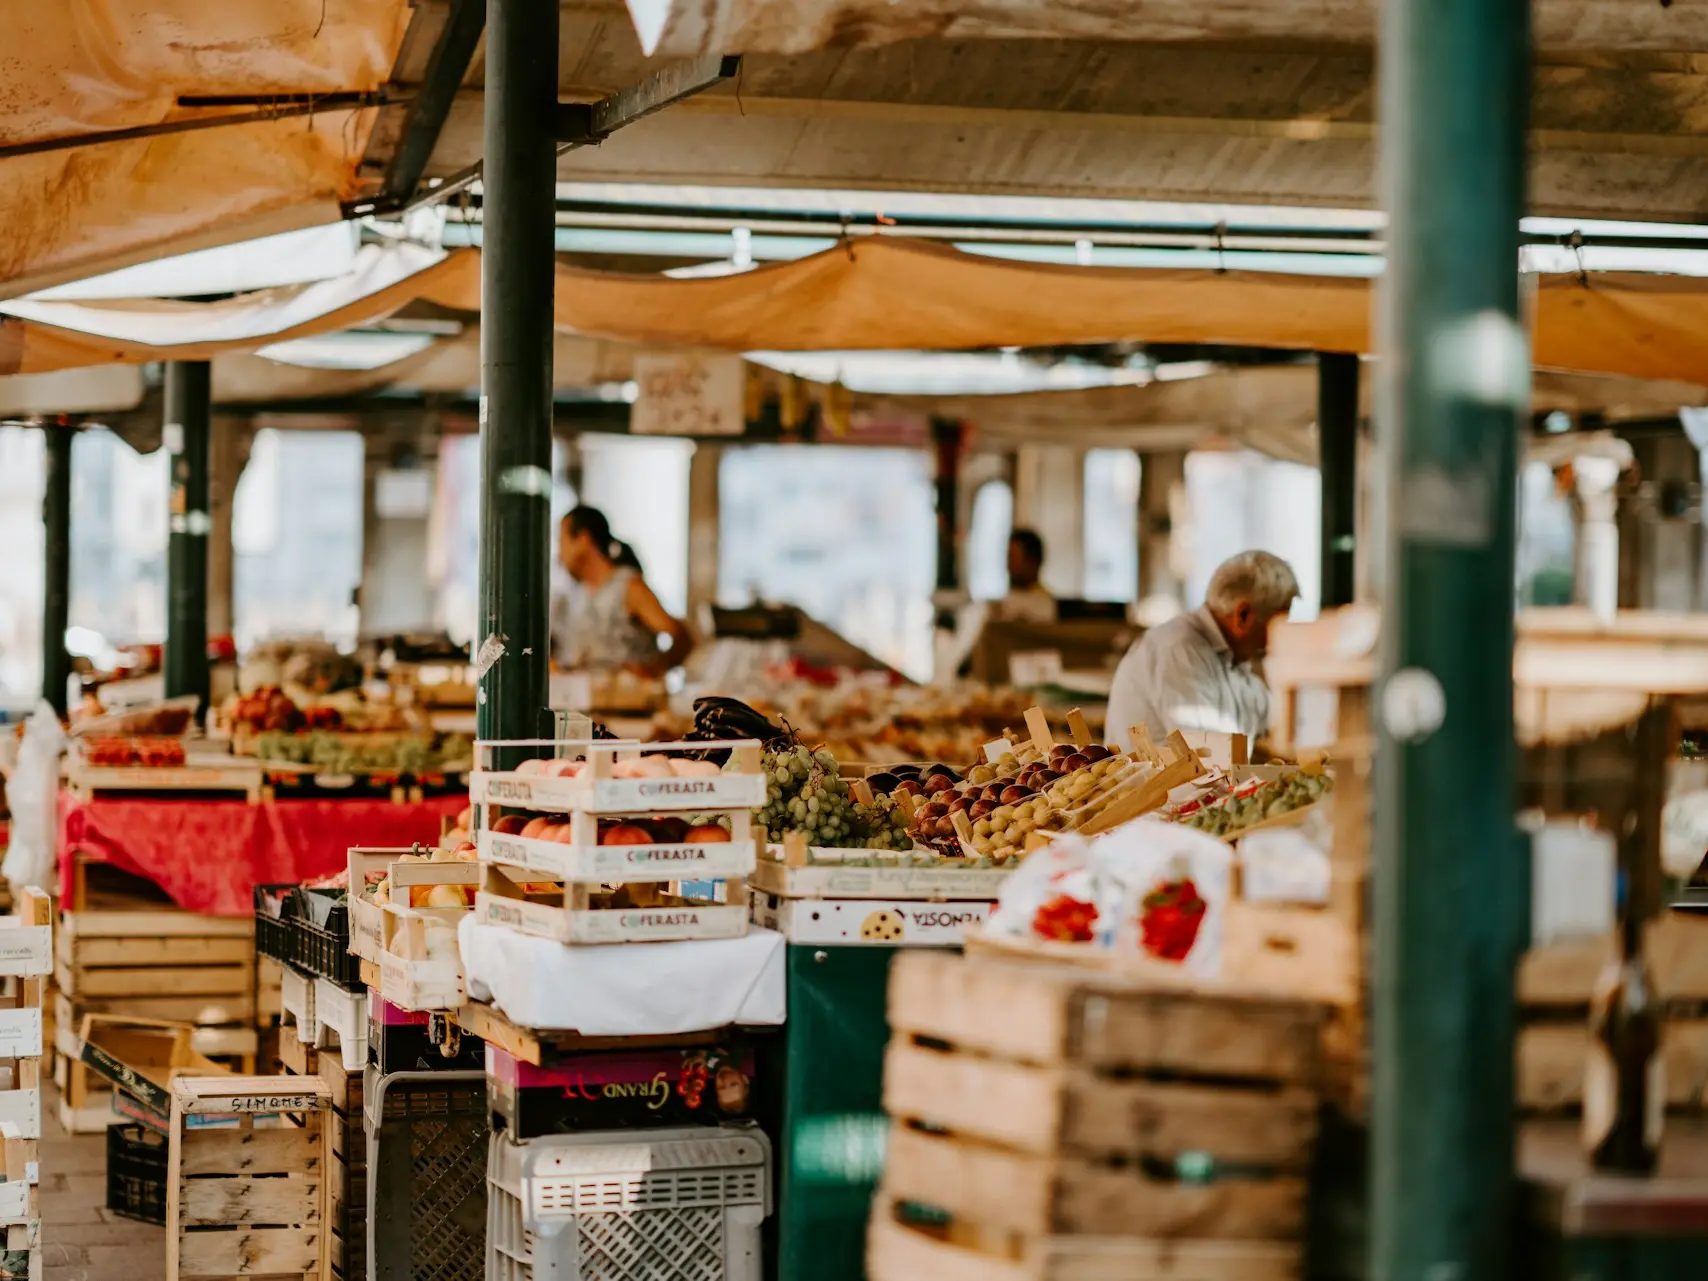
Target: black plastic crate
(402, 1041)
(275, 909)
(427, 1140)
(321, 933)
(136, 1173)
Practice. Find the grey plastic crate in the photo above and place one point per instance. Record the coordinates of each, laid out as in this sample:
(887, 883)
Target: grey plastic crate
(661, 1205)
(427, 1139)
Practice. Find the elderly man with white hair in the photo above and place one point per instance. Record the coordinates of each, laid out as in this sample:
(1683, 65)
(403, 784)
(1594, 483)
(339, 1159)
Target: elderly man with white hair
(1198, 671)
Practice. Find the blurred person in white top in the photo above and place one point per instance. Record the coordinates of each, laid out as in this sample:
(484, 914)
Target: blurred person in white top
(1201, 670)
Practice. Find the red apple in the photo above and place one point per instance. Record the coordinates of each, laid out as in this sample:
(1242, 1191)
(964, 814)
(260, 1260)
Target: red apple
(706, 834)
(535, 826)
(625, 834)
(510, 825)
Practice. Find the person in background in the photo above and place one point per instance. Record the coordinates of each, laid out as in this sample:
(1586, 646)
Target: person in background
(1027, 600)
(1200, 670)
(609, 619)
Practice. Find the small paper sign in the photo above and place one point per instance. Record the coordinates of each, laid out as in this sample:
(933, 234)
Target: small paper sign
(1028, 668)
(688, 394)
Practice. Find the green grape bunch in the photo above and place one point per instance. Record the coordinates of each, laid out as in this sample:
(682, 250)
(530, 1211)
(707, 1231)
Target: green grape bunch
(885, 824)
(806, 793)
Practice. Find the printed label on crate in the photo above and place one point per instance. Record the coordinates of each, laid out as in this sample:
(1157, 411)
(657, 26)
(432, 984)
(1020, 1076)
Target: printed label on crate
(833, 881)
(25, 950)
(20, 1034)
(868, 922)
(727, 791)
(614, 925)
(252, 1104)
(618, 795)
(14, 1200)
(365, 929)
(589, 862)
(616, 1089)
(125, 1077)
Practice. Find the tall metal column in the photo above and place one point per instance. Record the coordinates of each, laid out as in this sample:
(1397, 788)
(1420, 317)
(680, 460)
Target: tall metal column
(186, 437)
(1337, 446)
(519, 211)
(56, 602)
(1451, 883)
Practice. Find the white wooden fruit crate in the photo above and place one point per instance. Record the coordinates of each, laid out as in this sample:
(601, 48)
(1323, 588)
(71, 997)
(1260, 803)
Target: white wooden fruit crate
(582, 858)
(595, 791)
(412, 976)
(574, 919)
(367, 938)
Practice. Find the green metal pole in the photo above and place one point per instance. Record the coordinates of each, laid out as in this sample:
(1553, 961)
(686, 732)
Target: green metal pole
(56, 601)
(519, 209)
(186, 439)
(1337, 449)
(1451, 884)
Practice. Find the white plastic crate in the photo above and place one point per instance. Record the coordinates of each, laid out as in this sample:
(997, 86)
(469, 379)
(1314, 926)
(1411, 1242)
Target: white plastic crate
(666, 1205)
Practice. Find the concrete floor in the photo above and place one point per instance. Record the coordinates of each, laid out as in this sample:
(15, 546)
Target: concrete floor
(81, 1239)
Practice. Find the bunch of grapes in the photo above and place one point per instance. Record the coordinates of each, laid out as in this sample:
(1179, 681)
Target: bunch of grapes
(884, 823)
(805, 793)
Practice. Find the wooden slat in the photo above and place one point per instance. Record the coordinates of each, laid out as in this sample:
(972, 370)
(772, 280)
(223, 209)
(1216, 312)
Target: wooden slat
(250, 1252)
(1566, 973)
(1550, 1064)
(899, 1252)
(1041, 1013)
(133, 953)
(1040, 1196)
(295, 1199)
(169, 923)
(1045, 1109)
(200, 980)
(283, 1151)
(201, 1010)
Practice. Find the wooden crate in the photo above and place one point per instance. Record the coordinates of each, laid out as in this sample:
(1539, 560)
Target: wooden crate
(1555, 983)
(159, 956)
(1049, 1117)
(248, 1201)
(348, 1169)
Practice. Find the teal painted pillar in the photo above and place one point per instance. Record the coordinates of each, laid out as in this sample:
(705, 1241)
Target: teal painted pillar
(1451, 883)
(519, 210)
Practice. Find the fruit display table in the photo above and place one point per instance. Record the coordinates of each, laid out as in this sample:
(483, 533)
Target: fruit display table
(208, 855)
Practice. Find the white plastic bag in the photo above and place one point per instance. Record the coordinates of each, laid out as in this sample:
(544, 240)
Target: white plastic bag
(33, 794)
(1173, 884)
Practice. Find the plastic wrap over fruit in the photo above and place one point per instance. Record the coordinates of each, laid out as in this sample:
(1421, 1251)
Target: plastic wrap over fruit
(1151, 888)
(1055, 895)
(1173, 889)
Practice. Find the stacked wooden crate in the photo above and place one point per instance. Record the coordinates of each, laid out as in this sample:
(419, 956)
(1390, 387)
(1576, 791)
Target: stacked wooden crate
(347, 1183)
(26, 952)
(156, 962)
(244, 1200)
(1052, 1122)
(1555, 984)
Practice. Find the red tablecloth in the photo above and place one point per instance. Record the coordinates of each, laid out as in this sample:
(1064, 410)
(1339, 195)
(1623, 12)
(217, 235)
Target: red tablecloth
(209, 855)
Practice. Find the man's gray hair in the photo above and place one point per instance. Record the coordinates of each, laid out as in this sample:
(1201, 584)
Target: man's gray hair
(1265, 580)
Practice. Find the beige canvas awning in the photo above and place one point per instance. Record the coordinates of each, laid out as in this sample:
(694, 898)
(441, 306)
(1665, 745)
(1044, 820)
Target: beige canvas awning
(885, 293)
(81, 68)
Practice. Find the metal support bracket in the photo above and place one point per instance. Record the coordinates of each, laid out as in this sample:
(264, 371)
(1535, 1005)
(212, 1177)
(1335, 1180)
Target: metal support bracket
(585, 124)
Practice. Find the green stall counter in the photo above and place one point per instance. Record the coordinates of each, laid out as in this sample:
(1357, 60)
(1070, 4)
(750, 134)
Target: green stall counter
(822, 1081)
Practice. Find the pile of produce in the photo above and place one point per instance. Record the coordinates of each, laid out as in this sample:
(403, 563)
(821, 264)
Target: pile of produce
(870, 720)
(805, 793)
(332, 753)
(701, 829)
(1006, 802)
(135, 749)
(1254, 803)
(271, 710)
